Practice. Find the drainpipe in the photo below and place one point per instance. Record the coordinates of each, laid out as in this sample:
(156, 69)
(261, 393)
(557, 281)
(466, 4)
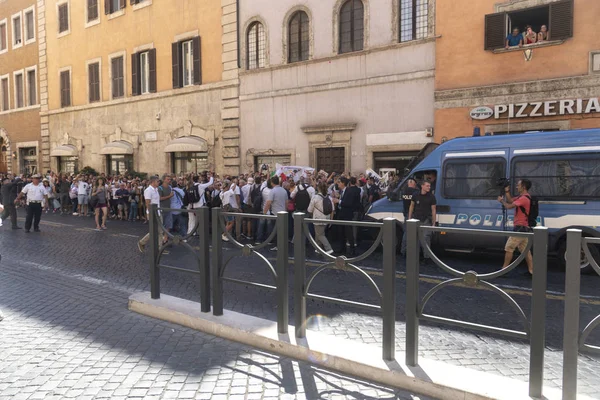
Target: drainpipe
(237, 18)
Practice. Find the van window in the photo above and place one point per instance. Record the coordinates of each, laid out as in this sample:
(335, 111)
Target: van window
(575, 177)
(473, 179)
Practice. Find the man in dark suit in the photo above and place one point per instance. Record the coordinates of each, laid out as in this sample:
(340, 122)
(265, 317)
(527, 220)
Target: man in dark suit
(9, 194)
(348, 208)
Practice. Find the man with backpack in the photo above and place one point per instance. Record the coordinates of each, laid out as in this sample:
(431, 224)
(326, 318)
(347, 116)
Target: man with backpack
(195, 197)
(526, 213)
(302, 195)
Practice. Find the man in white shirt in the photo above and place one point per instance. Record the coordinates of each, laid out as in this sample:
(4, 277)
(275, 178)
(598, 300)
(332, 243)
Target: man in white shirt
(152, 196)
(82, 196)
(201, 188)
(247, 207)
(36, 193)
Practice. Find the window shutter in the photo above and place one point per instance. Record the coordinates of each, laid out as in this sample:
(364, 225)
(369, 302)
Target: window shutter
(135, 74)
(68, 88)
(197, 49)
(495, 31)
(152, 70)
(106, 7)
(91, 89)
(176, 60)
(561, 20)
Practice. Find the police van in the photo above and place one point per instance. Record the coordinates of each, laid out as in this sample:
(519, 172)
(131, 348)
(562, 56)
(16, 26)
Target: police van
(564, 168)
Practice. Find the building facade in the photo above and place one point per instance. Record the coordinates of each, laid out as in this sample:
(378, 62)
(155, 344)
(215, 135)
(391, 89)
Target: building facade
(337, 85)
(21, 143)
(482, 87)
(142, 85)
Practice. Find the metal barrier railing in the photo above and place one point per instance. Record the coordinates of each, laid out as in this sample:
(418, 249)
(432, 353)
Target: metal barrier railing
(574, 340)
(534, 330)
(202, 257)
(279, 272)
(387, 295)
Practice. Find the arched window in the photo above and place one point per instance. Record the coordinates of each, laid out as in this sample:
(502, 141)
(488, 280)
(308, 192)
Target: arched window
(352, 26)
(298, 37)
(414, 16)
(257, 46)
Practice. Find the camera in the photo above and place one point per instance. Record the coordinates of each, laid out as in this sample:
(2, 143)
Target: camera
(264, 167)
(503, 182)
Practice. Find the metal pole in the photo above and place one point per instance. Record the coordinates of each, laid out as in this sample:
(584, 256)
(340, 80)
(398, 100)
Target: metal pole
(412, 291)
(282, 272)
(389, 289)
(217, 262)
(202, 215)
(571, 328)
(299, 275)
(538, 311)
(154, 269)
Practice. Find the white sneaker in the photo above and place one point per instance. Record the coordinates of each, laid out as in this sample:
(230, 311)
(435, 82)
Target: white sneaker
(75, 214)
(0, 221)
(225, 238)
(274, 248)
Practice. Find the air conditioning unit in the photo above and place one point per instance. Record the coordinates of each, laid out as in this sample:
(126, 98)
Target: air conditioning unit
(429, 132)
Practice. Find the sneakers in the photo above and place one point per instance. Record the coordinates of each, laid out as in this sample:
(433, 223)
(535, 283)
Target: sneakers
(224, 238)
(75, 214)
(141, 247)
(273, 248)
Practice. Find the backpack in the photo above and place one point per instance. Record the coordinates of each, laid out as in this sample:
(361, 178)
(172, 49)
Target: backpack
(257, 199)
(192, 195)
(327, 205)
(534, 211)
(216, 201)
(302, 198)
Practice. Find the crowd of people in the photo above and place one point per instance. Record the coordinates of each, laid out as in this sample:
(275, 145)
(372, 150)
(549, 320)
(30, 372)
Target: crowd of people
(127, 198)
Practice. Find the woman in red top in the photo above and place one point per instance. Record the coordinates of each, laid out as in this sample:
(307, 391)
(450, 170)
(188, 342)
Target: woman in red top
(530, 36)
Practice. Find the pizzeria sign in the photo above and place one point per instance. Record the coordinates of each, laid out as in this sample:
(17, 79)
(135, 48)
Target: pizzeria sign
(538, 109)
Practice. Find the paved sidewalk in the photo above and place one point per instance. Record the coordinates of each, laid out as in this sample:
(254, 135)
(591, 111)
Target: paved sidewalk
(69, 247)
(70, 338)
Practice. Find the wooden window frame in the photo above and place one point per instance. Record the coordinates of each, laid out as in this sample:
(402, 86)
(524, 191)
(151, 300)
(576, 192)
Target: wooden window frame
(92, 22)
(4, 23)
(353, 29)
(28, 86)
(13, 17)
(89, 82)
(7, 78)
(58, 7)
(62, 90)
(492, 43)
(136, 71)
(108, 8)
(25, 25)
(20, 72)
(111, 57)
(177, 61)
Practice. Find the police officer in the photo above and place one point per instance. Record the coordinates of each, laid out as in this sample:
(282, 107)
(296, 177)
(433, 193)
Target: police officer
(35, 195)
(407, 195)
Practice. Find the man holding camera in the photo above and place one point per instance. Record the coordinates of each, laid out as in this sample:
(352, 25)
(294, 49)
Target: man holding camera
(522, 206)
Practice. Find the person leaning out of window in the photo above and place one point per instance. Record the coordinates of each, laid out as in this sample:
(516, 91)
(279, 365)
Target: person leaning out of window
(514, 39)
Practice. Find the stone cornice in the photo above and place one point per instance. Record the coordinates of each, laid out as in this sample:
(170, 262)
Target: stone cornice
(329, 128)
(561, 88)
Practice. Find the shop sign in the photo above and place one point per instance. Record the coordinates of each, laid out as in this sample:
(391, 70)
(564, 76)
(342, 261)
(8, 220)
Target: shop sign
(538, 109)
(481, 113)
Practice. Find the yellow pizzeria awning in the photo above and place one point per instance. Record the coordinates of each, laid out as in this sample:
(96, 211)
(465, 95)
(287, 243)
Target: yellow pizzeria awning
(117, 148)
(191, 144)
(66, 150)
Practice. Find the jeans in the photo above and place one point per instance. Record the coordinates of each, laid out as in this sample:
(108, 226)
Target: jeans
(180, 224)
(264, 226)
(133, 210)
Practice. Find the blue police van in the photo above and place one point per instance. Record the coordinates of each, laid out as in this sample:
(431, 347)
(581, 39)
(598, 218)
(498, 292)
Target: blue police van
(564, 168)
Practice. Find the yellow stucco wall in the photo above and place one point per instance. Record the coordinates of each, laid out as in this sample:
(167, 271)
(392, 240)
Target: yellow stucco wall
(157, 24)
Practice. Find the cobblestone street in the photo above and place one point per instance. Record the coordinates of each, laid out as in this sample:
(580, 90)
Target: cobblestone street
(67, 331)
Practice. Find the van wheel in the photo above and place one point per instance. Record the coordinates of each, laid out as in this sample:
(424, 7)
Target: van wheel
(584, 263)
